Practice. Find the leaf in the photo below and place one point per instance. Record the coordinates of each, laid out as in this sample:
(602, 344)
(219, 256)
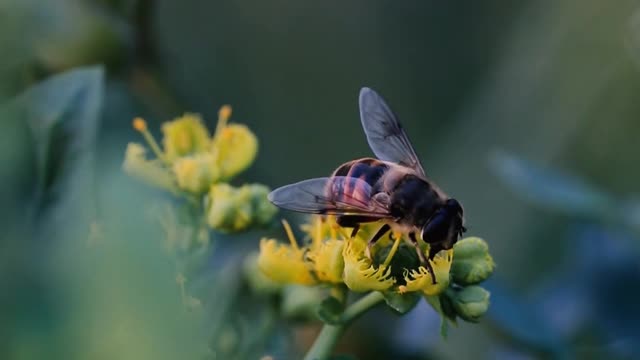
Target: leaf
(62, 114)
(551, 189)
(401, 303)
(330, 310)
(442, 306)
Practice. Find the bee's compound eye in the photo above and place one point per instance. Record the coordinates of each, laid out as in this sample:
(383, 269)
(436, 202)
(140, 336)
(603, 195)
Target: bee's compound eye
(438, 227)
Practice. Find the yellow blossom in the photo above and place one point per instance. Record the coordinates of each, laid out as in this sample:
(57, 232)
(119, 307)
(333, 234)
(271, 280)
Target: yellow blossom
(359, 272)
(185, 135)
(327, 260)
(283, 263)
(420, 279)
(195, 173)
(150, 171)
(234, 147)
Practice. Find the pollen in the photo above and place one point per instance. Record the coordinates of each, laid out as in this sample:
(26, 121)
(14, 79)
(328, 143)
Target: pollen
(139, 124)
(225, 112)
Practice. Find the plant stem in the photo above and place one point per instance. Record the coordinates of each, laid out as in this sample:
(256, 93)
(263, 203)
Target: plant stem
(326, 340)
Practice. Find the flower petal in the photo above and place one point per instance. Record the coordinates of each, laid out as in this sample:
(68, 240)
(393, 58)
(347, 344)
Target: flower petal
(283, 264)
(420, 279)
(327, 260)
(359, 272)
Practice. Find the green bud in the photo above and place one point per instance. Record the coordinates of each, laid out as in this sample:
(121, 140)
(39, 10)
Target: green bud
(263, 209)
(472, 262)
(235, 209)
(470, 302)
(301, 302)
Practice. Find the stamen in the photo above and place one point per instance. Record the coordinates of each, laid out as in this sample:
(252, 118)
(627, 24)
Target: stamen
(292, 239)
(393, 250)
(140, 125)
(223, 117)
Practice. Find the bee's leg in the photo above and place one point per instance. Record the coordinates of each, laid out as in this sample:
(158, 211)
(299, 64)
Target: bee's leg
(354, 221)
(354, 232)
(383, 230)
(423, 260)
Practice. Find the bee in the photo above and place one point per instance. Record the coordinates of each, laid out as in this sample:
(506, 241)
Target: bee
(392, 189)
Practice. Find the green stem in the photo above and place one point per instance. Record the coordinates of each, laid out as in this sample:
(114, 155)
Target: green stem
(326, 340)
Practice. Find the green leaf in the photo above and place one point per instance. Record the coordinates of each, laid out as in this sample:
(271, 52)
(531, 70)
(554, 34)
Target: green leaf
(444, 327)
(401, 303)
(330, 310)
(443, 306)
(62, 114)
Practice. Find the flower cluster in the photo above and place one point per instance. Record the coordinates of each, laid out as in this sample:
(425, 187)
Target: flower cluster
(197, 165)
(330, 257)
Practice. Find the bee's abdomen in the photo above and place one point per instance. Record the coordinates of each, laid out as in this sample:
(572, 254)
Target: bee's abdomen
(346, 179)
(368, 169)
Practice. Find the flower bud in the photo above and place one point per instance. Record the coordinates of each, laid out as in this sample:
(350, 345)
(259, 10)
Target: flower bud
(229, 209)
(470, 302)
(185, 135)
(195, 173)
(263, 209)
(150, 171)
(283, 263)
(235, 209)
(300, 302)
(472, 262)
(235, 148)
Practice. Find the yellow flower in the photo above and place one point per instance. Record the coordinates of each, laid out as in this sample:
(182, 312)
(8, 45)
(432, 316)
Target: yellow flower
(195, 173)
(235, 209)
(327, 260)
(420, 279)
(150, 171)
(359, 272)
(284, 263)
(185, 135)
(234, 146)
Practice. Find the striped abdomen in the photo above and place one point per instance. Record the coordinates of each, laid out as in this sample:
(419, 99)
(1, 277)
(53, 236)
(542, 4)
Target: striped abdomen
(365, 173)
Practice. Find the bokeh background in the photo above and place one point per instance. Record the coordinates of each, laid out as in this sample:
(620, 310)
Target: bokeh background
(526, 112)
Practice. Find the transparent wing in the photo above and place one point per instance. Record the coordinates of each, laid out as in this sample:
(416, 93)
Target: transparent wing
(384, 133)
(337, 195)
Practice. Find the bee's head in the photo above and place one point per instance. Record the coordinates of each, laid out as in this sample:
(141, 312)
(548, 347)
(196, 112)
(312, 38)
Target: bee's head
(447, 221)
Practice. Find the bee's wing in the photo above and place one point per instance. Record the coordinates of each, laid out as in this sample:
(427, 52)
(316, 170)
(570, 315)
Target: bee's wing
(384, 133)
(337, 195)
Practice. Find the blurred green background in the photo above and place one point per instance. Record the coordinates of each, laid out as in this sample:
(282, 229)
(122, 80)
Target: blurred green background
(526, 112)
